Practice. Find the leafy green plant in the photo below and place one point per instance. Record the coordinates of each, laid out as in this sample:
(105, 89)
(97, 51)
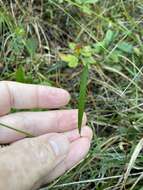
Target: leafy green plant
(85, 56)
(87, 53)
(111, 33)
(79, 55)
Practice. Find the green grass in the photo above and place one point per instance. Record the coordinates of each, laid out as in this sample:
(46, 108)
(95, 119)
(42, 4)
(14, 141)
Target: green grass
(31, 39)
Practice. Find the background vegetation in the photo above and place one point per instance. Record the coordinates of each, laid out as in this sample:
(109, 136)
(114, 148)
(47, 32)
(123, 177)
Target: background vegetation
(48, 42)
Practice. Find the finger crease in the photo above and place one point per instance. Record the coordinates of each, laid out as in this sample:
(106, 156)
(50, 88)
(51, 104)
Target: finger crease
(11, 97)
(57, 119)
(37, 97)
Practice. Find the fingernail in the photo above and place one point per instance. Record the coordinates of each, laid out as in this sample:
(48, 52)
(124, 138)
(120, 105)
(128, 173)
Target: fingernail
(59, 144)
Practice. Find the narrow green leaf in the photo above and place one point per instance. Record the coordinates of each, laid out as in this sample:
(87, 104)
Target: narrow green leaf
(17, 130)
(109, 37)
(125, 47)
(20, 74)
(82, 95)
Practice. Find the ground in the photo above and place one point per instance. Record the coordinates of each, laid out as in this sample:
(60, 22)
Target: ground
(34, 36)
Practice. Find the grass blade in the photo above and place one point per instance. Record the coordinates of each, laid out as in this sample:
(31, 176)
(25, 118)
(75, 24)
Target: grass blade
(82, 95)
(17, 130)
(132, 161)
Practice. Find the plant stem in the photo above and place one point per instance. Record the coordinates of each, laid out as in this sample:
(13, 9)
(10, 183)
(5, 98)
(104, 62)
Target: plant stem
(17, 130)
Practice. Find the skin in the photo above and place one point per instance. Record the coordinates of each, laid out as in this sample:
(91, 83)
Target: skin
(29, 163)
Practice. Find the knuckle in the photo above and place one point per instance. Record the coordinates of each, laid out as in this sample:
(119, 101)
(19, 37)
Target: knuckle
(5, 98)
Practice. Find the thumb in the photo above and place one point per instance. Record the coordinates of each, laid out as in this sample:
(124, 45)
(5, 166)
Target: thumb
(25, 163)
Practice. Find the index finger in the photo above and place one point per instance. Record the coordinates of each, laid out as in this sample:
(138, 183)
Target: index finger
(28, 96)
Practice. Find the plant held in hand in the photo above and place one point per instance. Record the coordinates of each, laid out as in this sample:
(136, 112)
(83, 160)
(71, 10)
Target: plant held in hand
(82, 95)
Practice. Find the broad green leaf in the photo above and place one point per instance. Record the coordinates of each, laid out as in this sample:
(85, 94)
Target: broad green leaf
(82, 95)
(109, 37)
(89, 60)
(20, 74)
(125, 47)
(99, 47)
(86, 51)
(73, 62)
(102, 45)
(70, 59)
(72, 45)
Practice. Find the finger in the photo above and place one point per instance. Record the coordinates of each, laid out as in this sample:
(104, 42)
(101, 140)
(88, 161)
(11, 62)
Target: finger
(25, 163)
(38, 123)
(74, 134)
(24, 96)
(78, 150)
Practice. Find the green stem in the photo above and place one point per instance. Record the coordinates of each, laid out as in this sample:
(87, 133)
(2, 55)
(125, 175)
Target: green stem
(17, 130)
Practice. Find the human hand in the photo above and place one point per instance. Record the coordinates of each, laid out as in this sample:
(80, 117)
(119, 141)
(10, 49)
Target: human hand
(29, 163)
